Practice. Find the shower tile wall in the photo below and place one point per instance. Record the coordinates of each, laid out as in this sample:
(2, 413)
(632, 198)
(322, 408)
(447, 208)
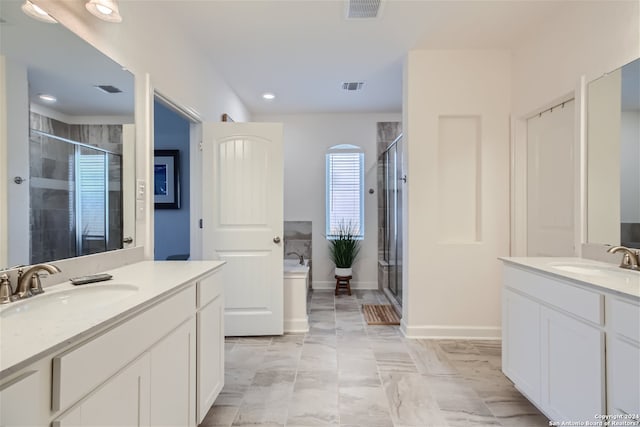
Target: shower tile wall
(298, 238)
(51, 185)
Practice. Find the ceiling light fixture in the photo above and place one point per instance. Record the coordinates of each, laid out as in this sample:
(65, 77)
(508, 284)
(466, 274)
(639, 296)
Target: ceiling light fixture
(107, 10)
(47, 98)
(36, 12)
(268, 96)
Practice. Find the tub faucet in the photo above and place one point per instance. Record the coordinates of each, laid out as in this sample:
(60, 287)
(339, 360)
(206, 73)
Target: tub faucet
(29, 282)
(630, 259)
(300, 257)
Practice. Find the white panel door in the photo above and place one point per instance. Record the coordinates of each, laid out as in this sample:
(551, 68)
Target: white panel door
(243, 222)
(551, 183)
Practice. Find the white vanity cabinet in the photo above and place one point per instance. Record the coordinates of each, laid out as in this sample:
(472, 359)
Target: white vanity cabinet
(122, 401)
(210, 335)
(623, 356)
(160, 363)
(553, 344)
(157, 386)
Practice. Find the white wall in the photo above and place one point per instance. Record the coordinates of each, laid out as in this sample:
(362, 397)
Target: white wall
(456, 131)
(307, 137)
(589, 38)
(576, 45)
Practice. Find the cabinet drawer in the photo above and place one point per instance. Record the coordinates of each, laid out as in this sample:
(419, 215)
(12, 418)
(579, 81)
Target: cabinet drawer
(625, 318)
(78, 371)
(572, 299)
(209, 288)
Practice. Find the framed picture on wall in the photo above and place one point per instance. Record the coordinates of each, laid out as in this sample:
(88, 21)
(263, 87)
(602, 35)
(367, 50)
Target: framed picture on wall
(166, 179)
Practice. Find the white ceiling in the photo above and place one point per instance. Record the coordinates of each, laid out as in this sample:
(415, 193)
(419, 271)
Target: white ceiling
(302, 50)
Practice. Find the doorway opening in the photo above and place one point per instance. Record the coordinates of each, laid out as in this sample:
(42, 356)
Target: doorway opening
(172, 186)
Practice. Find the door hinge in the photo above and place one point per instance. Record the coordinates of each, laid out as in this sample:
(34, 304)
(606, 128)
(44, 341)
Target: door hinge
(200, 145)
(200, 222)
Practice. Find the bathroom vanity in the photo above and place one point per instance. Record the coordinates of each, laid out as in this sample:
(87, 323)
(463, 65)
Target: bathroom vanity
(571, 337)
(145, 348)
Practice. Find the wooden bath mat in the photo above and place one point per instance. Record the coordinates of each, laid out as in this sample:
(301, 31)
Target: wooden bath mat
(380, 314)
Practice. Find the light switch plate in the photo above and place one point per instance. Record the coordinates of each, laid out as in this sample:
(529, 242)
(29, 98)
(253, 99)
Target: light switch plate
(141, 189)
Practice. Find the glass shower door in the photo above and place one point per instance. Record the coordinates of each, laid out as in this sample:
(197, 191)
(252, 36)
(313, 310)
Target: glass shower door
(392, 187)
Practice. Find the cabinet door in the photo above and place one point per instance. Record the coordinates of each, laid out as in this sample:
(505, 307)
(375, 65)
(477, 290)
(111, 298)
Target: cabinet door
(210, 354)
(521, 343)
(172, 377)
(573, 386)
(623, 360)
(122, 401)
(17, 401)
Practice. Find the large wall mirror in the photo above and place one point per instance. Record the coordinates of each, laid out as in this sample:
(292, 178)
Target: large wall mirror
(613, 157)
(70, 133)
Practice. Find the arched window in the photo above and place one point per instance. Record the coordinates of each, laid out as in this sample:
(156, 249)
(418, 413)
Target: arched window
(345, 189)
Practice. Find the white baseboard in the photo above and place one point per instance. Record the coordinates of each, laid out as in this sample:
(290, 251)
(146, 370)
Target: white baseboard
(451, 332)
(322, 284)
(296, 326)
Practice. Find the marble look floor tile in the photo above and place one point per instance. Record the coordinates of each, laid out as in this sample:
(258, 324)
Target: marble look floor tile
(346, 373)
(314, 406)
(410, 402)
(429, 358)
(318, 357)
(219, 416)
(364, 406)
(395, 361)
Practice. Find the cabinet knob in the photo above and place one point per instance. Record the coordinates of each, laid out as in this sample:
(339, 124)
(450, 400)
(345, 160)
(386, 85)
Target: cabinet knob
(276, 239)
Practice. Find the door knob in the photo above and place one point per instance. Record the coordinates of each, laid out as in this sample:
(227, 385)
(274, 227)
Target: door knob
(276, 239)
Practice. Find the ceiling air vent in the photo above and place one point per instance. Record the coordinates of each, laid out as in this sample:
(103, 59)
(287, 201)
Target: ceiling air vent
(108, 88)
(352, 86)
(357, 9)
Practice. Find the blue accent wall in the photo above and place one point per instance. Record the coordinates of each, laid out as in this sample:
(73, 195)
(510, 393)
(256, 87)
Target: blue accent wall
(171, 132)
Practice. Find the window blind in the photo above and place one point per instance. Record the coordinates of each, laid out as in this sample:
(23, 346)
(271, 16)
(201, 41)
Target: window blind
(345, 195)
(91, 179)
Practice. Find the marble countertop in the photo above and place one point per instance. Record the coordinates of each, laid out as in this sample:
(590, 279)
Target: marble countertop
(595, 274)
(34, 328)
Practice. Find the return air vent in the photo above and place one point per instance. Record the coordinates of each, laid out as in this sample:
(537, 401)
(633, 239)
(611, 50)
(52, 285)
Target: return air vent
(358, 9)
(352, 86)
(108, 88)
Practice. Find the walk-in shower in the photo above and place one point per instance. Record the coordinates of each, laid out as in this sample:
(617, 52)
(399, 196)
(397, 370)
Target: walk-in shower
(390, 210)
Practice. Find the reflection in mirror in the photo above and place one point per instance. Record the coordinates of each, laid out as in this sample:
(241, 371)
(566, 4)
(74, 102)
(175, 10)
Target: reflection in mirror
(70, 115)
(613, 153)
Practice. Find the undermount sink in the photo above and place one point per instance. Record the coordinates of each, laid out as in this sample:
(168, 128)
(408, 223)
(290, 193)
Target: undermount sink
(591, 270)
(94, 296)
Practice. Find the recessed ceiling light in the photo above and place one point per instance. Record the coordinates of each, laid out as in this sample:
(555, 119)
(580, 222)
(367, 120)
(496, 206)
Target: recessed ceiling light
(36, 12)
(107, 10)
(47, 98)
(268, 96)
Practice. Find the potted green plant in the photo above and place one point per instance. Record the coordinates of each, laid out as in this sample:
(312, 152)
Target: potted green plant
(344, 247)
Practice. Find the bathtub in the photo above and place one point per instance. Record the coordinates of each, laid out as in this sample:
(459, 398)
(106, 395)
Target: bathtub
(296, 282)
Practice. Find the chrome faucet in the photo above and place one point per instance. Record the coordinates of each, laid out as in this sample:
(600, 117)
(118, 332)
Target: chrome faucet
(29, 282)
(300, 256)
(630, 260)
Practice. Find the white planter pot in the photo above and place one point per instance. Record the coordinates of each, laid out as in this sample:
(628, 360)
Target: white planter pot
(343, 272)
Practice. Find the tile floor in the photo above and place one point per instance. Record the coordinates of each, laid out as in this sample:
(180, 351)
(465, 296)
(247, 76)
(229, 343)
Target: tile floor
(346, 373)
